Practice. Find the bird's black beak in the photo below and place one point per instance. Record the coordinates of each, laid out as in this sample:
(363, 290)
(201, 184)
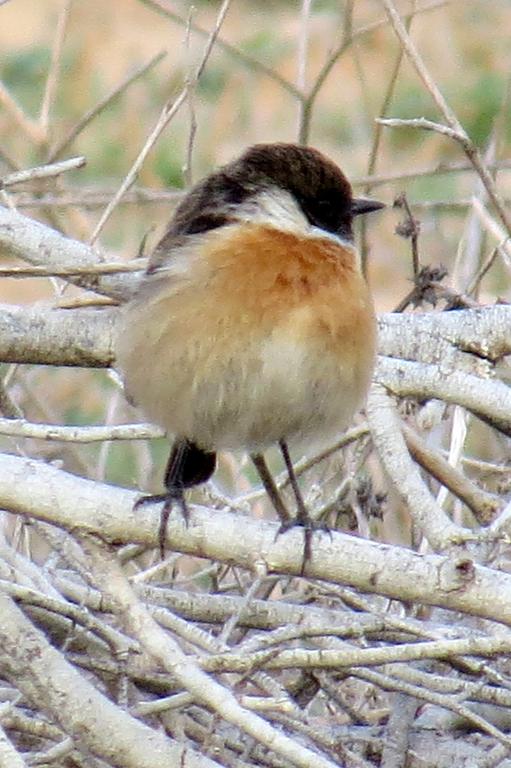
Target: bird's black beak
(361, 205)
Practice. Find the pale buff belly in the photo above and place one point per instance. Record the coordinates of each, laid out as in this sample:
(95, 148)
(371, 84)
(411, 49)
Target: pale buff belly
(253, 337)
(233, 389)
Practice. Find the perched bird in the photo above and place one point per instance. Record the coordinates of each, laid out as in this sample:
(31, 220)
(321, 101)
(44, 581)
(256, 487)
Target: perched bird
(253, 324)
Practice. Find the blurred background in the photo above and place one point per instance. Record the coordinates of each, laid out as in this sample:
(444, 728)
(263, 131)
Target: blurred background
(60, 60)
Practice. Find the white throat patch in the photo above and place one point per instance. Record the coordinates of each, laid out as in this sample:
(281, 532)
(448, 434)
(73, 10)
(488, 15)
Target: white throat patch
(278, 208)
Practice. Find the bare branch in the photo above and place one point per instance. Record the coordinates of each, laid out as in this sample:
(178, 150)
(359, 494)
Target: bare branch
(420, 122)
(167, 113)
(38, 490)
(164, 7)
(459, 166)
(168, 653)
(31, 129)
(54, 686)
(101, 268)
(490, 400)
(54, 70)
(75, 131)
(23, 428)
(297, 658)
(27, 239)
(485, 506)
(9, 756)
(80, 337)
(42, 172)
(494, 228)
(346, 42)
(431, 519)
(455, 130)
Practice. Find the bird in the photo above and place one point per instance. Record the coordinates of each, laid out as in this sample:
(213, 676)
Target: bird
(253, 324)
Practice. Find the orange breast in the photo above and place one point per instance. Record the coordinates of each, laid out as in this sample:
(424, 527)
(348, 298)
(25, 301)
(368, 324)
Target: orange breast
(312, 286)
(264, 334)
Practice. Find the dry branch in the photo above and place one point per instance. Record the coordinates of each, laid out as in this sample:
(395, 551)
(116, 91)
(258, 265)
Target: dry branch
(164, 649)
(34, 489)
(81, 337)
(27, 239)
(52, 685)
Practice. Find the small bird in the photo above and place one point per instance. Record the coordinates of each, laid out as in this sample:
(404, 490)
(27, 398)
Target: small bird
(253, 325)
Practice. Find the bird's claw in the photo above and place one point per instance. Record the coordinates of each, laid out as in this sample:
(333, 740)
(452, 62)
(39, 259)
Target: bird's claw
(168, 500)
(308, 526)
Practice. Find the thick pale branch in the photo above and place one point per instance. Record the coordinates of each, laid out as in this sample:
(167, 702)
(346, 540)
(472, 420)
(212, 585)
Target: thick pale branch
(434, 524)
(37, 490)
(486, 398)
(470, 339)
(483, 333)
(39, 335)
(257, 613)
(27, 239)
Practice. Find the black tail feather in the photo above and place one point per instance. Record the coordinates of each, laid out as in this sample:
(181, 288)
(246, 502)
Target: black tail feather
(188, 465)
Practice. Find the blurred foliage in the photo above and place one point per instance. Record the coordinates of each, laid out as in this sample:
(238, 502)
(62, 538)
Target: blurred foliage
(266, 46)
(168, 165)
(24, 73)
(481, 105)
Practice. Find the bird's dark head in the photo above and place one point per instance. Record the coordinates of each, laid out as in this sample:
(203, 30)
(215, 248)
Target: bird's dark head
(274, 172)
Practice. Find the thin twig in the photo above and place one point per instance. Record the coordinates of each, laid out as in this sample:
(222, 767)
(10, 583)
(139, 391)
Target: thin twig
(102, 268)
(301, 56)
(376, 143)
(166, 651)
(449, 702)
(97, 198)
(84, 121)
(50, 88)
(454, 129)
(16, 427)
(169, 110)
(419, 122)
(410, 228)
(163, 7)
(192, 117)
(460, 166)
(332, 60)
(494, 228)
(485, 506)
(42, 172)
(481, 272)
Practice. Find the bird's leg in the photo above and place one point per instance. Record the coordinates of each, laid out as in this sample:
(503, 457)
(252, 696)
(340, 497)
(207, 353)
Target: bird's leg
(270, 487)
(188, 465)
(302, 515)
(286, 521)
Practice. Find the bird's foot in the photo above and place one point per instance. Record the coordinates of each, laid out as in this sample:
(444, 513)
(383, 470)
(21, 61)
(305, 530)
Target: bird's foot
(309, 526)
(169, 499)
